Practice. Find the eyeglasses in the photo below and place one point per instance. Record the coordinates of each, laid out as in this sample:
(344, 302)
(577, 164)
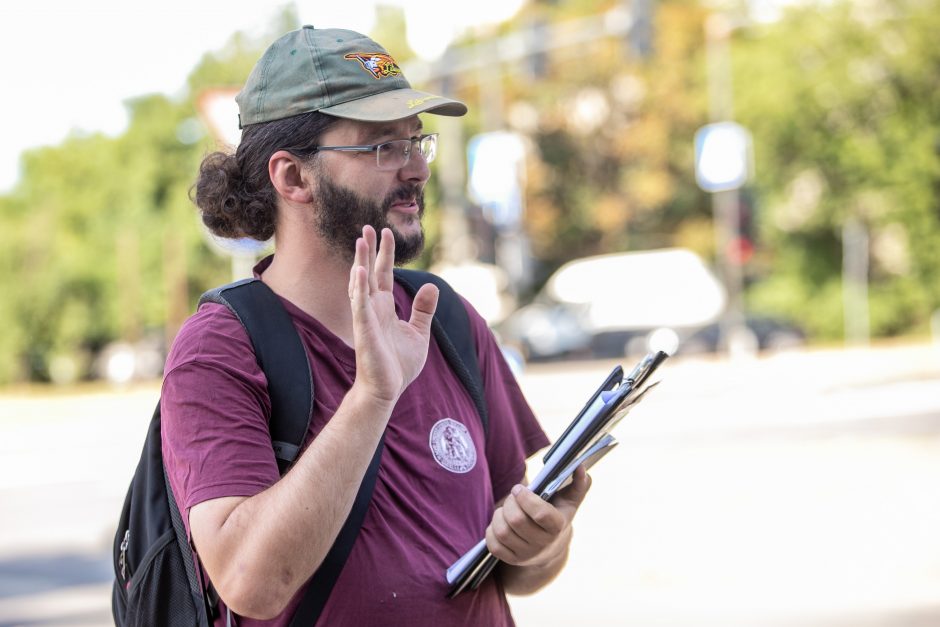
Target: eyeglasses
(395, 154)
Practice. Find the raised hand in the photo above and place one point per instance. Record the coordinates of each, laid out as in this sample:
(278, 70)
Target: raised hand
(390, 352)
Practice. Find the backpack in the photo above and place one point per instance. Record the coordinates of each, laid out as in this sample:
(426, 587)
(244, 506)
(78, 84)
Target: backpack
(156, 580)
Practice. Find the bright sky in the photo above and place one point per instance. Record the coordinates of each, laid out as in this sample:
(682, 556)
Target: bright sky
(67, 65)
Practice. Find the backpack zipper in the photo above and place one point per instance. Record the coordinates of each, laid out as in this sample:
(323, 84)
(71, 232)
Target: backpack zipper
(122, 560)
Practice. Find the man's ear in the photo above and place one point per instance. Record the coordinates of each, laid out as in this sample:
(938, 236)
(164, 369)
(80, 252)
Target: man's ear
(290, 178)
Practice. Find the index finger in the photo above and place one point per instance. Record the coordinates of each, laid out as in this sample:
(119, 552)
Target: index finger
(368, 234)
(540, 511)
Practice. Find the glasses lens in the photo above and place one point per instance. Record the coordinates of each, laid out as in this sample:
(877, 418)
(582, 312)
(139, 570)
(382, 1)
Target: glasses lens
(393, 155)
(428, 147)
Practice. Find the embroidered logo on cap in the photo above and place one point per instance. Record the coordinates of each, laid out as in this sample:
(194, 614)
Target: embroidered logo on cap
(452, 446)
(378, 64)
(417, 102)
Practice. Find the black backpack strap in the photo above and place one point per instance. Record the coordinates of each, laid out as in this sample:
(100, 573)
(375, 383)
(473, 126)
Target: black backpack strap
(281, 356)
(322, 582)
(283, 359)
(451, 326)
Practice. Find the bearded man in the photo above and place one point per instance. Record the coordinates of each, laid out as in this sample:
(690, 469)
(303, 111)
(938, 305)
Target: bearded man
(332, 164)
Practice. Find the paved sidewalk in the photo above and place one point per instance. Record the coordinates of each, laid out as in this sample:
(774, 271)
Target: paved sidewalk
(793, 490)
(797, 489)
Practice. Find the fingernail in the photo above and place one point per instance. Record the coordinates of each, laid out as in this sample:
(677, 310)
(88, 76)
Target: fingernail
(516, 489)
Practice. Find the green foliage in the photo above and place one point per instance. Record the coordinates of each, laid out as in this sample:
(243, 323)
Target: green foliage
(841, 102)
(612, 162)
(100, 241)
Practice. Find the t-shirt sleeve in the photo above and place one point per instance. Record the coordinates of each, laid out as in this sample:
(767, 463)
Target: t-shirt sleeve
(215, 412)
(514, 432)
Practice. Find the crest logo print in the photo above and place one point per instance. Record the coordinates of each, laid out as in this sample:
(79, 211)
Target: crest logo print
(378, 64)
(452, 446)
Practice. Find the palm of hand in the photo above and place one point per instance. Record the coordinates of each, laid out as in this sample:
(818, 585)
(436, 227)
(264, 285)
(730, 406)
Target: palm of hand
(390, 352)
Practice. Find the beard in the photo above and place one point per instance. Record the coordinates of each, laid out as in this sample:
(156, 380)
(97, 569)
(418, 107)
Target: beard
(341, 214)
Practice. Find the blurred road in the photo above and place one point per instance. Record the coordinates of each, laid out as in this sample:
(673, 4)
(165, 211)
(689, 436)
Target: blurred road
(798, 489)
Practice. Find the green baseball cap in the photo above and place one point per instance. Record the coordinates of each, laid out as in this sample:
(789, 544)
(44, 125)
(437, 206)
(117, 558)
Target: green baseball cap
(337, 72)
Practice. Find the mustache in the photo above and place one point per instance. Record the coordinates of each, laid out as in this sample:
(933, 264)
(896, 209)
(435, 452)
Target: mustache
(405, 192)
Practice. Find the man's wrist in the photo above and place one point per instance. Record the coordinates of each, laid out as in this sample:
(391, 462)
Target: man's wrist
(556, 553)
(366, 402)
(530, 578)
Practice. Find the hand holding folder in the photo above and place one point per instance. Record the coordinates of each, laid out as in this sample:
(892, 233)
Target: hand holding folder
(586, 440)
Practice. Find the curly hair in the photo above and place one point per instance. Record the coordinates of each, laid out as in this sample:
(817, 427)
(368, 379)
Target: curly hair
(234, 192)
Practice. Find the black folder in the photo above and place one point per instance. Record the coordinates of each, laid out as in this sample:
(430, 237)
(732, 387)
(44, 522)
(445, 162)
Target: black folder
(586, 440)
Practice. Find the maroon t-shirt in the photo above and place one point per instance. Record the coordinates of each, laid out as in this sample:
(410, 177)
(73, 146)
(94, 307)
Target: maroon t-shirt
(439, 477)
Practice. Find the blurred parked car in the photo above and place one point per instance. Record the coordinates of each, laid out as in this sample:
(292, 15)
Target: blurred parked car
(612, 305)
(768, 334)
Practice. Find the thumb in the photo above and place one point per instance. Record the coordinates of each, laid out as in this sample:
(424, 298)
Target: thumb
(423, 308)
(568, 500)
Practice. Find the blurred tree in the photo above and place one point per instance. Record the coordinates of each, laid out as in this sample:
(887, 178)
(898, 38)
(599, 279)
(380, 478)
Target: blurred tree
(611, 162)
(842, 103)
(99, 240)
(840, 99)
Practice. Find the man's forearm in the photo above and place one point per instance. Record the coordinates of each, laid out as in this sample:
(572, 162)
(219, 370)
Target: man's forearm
(263, 549)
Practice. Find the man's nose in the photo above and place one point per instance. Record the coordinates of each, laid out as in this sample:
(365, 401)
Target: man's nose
(416, 170)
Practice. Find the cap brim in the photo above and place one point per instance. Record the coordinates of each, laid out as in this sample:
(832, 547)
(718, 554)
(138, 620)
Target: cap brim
(396, 104)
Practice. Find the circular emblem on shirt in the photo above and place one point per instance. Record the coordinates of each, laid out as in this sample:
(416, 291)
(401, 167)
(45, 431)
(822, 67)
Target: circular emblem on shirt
(452, 446)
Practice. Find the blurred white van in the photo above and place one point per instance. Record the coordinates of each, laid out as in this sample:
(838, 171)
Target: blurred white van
(612, 305)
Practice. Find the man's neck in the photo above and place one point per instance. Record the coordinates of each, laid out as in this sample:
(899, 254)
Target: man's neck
(317, 281)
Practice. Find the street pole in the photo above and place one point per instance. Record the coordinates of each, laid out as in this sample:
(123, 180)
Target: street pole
(855, 282)
(725, 209)
(459, 246)
(725, 203)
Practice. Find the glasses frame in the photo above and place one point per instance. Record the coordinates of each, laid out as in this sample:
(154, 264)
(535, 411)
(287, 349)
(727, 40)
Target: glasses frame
(412, 143)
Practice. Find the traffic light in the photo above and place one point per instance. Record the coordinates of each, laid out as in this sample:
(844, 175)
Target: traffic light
(741, 246)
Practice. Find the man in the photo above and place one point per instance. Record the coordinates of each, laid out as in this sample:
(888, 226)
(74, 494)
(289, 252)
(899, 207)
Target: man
(333, 164)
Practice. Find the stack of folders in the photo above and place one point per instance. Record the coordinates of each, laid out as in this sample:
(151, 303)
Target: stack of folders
(586, 440)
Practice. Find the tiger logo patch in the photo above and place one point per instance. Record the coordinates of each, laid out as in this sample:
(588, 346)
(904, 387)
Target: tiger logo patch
(379, 64)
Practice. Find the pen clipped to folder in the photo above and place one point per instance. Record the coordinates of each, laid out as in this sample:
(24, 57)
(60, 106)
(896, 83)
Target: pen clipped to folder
(586, 440)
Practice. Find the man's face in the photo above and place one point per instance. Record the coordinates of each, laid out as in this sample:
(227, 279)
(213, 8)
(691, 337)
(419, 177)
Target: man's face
(351, 191)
